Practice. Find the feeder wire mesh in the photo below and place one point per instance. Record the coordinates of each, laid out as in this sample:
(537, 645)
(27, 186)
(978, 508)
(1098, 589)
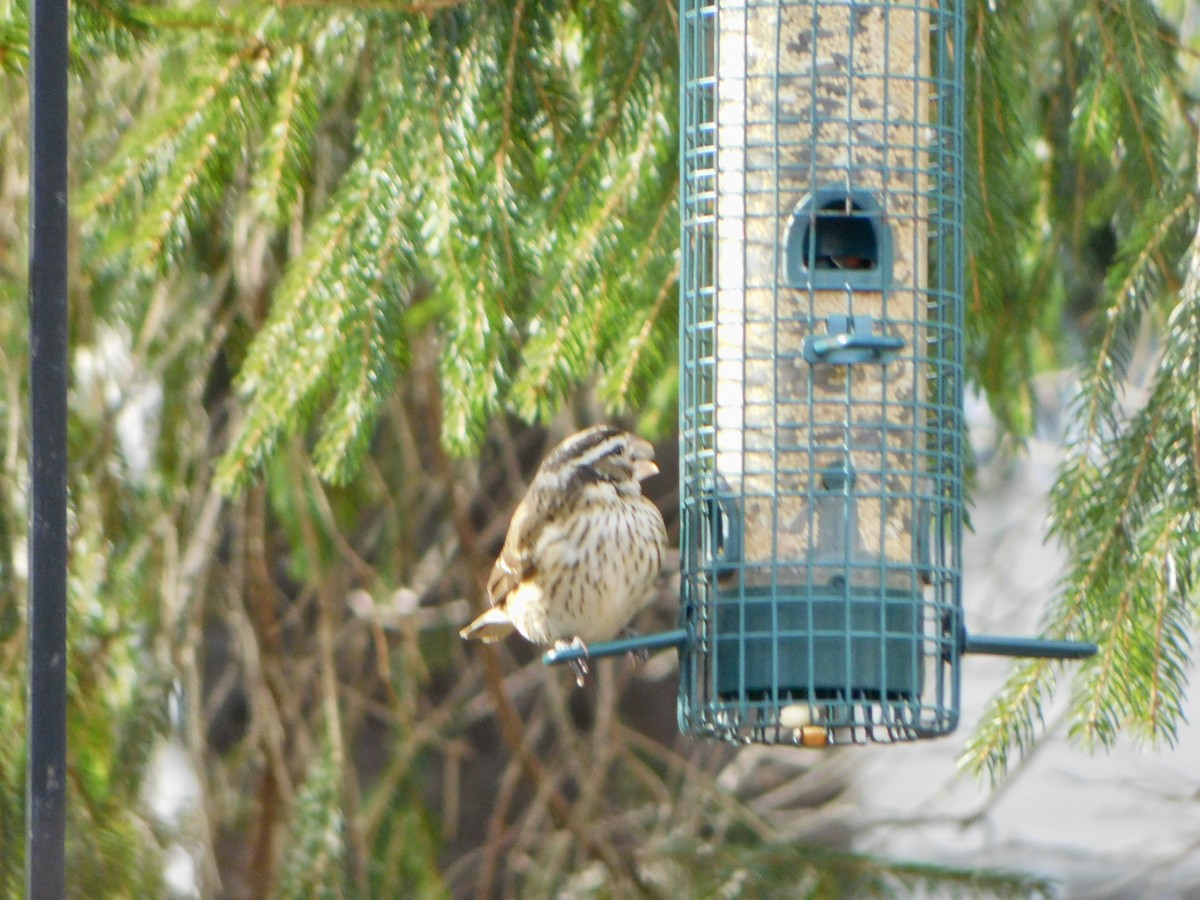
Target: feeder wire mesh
(821, 361)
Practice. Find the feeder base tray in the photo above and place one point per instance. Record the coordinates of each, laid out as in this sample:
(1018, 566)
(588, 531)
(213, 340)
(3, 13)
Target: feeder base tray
(833, 645)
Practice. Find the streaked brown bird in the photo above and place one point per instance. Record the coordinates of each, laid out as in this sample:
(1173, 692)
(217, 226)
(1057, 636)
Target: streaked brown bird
(584, 547)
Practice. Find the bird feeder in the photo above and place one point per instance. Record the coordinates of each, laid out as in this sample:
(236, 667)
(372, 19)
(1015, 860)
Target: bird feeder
(822, 373)
(821, 425)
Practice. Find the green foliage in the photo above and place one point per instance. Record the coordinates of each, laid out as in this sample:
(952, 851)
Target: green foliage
(12, 783)
(509, 158)
(764, 870)
(314, 861)
(1126, 506)
(404, 848)
(1119, 201)
(1005, 297)
(14, 45)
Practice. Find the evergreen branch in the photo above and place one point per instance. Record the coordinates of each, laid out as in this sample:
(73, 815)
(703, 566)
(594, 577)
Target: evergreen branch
(1139, 107)
(149, 150)
(469, 367)
(500, 159)
(1010, 720)
(619, 385)
(1147, 254)
(771, 870)
(408, 7)
(314, 861)
(289, 362)
(553, 107)
(1128, 59)
(197, 19)
(374, 347)
(1143, 689)
(998, 202)
(1091, 589)
(336, 323)
(104, 30)
(14, 56)
(1095, 411)
(553, 356)
(1096, 720)
(637, 348)
(283, 155)
(1087, 125)
(120, 16)
(1163, 710)
(163, 226)
(602, 134)
(1130, 541)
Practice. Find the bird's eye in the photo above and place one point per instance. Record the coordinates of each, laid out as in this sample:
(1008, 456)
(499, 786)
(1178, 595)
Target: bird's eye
(614, 464)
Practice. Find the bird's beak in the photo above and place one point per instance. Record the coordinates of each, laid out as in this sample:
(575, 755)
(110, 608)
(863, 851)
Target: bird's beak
(642, 453)
(644, 468)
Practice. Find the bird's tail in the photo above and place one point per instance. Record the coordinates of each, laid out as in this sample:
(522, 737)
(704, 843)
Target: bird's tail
(489, 627)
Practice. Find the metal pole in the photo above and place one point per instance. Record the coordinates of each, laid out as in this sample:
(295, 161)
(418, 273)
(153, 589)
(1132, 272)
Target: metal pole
(45, 808)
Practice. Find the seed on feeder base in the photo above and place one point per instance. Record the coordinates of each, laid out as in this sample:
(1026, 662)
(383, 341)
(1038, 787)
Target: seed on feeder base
(799, 717)
(795, 715)
(814, 736)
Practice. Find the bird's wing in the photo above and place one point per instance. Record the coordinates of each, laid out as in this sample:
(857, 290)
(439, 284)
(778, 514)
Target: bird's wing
(506, 575)
(512, 565)
(514, 561)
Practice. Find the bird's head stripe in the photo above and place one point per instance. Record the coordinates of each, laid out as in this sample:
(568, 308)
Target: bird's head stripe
(587, 447)
(599, 452)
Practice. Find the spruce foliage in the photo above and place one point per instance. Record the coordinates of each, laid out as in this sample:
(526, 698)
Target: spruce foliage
(1112, 248)
(508, 166)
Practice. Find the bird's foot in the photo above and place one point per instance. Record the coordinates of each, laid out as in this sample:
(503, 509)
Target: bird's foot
(640, 655)
(580, 665)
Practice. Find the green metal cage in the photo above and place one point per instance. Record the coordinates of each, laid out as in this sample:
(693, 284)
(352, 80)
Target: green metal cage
(821, 359)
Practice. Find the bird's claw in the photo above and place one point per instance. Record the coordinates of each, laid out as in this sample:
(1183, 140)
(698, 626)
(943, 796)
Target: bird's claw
(579, 665)
(580, 668)
(639, 655)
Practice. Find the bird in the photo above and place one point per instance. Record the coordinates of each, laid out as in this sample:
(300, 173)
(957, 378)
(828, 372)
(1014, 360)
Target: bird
(584, 547)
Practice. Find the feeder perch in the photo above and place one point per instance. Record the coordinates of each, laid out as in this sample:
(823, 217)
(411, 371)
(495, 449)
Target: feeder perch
(821, 428)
